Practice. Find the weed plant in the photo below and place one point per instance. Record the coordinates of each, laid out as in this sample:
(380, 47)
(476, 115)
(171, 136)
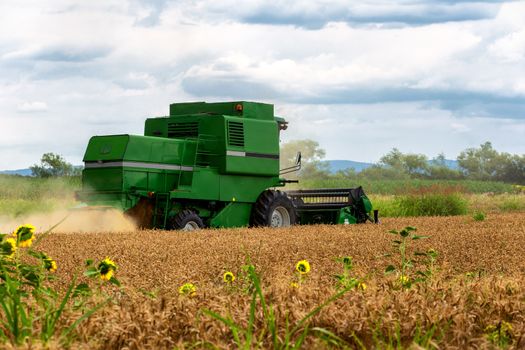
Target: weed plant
(345, 279)
(283, 336)
(407, 262)
(500, 334)
(30, 307)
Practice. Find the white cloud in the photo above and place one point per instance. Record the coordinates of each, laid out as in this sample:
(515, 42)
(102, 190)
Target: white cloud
(459, 127)
(511, 47)
(32, 107)
(315, 14)
(452, 69)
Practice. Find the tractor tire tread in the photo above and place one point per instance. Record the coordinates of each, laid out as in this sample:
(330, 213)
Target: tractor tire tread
(263, 208)
(181, 219)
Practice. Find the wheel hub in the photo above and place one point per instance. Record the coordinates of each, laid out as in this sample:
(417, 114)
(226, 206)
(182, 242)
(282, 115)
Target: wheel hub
(280, 217)
(190, 226)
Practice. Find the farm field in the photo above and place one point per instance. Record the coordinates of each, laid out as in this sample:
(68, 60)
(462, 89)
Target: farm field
(473, 297)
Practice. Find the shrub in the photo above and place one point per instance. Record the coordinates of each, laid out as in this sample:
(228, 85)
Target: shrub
(479, 216)
(432, 201)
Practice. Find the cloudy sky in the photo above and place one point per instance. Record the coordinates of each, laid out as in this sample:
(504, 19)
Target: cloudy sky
(360, 77)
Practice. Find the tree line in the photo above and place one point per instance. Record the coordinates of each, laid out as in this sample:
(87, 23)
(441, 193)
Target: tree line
(481, 163)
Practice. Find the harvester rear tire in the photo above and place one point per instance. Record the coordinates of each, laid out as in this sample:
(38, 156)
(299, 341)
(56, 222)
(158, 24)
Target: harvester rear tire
(273, 209)
(187, 220)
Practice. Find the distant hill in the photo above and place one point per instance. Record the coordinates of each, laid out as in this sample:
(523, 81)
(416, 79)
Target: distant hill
(336, 165)
(22, 172)
(27, 172)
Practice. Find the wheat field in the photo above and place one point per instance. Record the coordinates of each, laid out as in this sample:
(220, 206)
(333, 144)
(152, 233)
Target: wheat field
(475, 297)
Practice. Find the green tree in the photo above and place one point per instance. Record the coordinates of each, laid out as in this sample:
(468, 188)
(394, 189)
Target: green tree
(393, 159)
(410, 163)
(415, 164)
(52, 165)
(440, 160)
(438, 169)
(512, 169)
(483, 163)
(311, 156)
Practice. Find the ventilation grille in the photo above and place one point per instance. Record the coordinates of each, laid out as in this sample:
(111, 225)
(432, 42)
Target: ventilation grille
(235, 134)
(183, 130)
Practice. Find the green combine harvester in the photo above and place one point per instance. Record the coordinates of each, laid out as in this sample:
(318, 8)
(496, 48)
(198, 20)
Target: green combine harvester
(209, 165)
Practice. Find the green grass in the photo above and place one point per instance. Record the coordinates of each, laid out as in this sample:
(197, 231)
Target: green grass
(430, 204)
(30, 188)
(25, 195)
(386, 205)
(390, 205)
(496, 203)
(513, 203)
(19, 207)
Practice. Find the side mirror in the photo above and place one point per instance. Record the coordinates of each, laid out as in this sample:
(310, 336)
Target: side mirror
(298, 158)
(294, 168)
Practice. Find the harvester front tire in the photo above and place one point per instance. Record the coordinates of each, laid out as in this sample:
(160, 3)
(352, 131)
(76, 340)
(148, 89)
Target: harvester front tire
(273, 209)
(187, 220)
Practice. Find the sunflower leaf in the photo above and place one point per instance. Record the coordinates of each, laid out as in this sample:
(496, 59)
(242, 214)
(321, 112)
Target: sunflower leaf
(419, 237)
(114, 281)
(92, 271)
(390, 269)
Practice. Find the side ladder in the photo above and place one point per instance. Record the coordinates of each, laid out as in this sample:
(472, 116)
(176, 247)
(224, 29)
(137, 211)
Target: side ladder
(160, 213)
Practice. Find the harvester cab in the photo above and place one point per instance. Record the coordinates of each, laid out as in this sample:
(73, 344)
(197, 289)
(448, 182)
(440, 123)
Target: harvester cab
(208, 165)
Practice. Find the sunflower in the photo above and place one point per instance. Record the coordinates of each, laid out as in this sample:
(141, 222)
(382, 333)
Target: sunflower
(188, 289)
(24, 235)
(49, 264)
(303, 267)
(8, 247)
(106, 269)
(404, 279)
(361, 285)
(228, 277)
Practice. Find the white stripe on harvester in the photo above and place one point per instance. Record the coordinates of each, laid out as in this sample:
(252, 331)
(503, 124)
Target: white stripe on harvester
(159, 166)
(236, 153)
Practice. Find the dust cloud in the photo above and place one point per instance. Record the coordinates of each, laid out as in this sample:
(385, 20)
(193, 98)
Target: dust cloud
(73, 221)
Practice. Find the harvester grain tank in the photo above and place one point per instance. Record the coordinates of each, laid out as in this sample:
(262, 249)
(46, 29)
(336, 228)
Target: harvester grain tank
(208, 165)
